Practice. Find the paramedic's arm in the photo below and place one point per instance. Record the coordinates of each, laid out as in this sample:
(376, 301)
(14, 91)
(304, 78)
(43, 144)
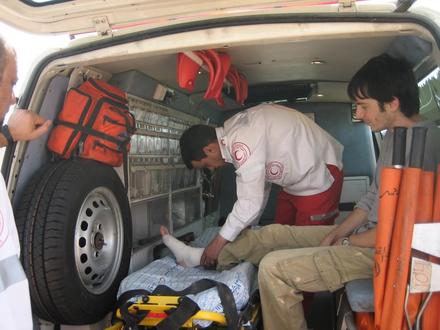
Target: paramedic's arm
(25, 125)
(251, 196)
(212, 251)
(267, 189)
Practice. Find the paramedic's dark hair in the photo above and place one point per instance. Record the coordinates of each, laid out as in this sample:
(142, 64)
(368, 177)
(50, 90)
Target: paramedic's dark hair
(193, 140)
(384, 77)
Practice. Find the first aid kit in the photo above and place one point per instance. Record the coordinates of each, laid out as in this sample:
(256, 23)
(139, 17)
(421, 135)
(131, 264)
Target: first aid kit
(94, 123)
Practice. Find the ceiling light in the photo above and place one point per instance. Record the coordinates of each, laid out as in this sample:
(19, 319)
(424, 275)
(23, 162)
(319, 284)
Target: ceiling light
(319, 95)
(317, 61)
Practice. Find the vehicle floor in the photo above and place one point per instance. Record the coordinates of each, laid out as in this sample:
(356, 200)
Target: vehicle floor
(322, 312)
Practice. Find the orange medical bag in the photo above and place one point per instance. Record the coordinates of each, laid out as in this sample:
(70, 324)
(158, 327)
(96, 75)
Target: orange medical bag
(94, 123)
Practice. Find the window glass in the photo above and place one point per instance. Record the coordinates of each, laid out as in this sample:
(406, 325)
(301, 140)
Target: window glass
(429, 89)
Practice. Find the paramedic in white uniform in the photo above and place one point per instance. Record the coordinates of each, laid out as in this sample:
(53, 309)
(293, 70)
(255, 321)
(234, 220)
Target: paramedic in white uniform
(15, 304)
(269, 143)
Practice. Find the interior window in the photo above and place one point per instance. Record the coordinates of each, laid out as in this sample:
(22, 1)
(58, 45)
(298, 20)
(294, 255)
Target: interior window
(429, 93)
(429, 88)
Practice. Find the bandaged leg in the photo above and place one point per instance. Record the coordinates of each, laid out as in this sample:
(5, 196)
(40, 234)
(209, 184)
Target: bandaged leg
(185, 255)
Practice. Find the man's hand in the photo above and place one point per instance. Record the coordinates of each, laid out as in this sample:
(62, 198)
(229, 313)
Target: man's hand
(366, 239)
(356, 218)
(26, 125)
(330, 239)
(210, 255)
(338, 241)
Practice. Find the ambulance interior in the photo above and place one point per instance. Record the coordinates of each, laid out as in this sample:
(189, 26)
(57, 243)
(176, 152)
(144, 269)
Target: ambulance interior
(304, 65)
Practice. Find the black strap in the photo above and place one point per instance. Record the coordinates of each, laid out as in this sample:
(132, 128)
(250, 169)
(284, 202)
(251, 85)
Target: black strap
(97, 144)
(186, 307)
(119, 140)
(225, 294)
(179, 315)
(82, 117)
(123, 304)
(87, 128)
(118, 98)
(7, 134)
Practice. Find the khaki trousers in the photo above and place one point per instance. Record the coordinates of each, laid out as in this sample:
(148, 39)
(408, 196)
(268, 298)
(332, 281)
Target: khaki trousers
(290, 262)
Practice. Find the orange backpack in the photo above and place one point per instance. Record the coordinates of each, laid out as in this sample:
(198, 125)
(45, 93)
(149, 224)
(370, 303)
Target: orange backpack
(94, 123)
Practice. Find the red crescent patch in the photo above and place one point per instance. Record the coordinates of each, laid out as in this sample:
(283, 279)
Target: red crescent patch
(274, 170)
(240, 152)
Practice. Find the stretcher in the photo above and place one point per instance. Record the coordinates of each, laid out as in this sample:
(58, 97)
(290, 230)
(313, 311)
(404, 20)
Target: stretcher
(166, 295)
(155, 309)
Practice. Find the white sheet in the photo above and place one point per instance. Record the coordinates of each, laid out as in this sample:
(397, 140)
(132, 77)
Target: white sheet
(165, 271)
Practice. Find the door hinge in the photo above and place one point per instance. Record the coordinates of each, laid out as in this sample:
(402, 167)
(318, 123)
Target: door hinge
(102, 26)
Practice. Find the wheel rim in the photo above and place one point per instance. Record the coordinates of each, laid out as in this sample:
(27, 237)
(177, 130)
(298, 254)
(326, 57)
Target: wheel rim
(99, 240)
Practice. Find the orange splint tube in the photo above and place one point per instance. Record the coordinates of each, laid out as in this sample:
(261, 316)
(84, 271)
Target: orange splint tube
(388, 197)
(398, 270)
(431, 316)
(423, 215)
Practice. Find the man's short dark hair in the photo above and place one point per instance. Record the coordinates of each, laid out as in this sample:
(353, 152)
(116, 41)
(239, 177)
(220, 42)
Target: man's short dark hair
(193, 140)
(384, 77)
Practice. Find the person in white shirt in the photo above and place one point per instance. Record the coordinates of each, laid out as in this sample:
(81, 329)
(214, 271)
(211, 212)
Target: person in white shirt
(269, 143)
(15, 304)
(294, 260)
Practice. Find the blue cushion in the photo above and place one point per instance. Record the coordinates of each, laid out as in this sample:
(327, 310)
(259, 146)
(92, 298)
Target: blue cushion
(360, 295)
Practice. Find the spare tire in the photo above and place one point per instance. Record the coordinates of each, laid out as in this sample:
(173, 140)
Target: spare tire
(75, 228)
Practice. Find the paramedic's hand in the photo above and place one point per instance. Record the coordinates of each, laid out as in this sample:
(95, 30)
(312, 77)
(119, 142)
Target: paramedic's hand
(210, 255)
(26, 125)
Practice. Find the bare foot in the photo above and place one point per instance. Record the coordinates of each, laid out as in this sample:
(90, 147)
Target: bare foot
(164, 231)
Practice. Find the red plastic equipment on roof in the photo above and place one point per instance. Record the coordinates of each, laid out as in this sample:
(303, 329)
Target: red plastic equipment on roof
(187, 71)
(219, 68)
